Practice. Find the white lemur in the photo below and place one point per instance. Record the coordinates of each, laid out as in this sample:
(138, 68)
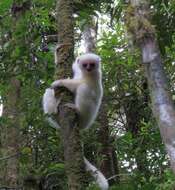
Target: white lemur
(86, 84)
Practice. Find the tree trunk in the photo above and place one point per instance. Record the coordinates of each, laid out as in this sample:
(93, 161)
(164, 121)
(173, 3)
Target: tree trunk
(67, 117)
(109, 163)
(89, 37)
(9, 162)
(10, 131)
(134, 110)
(137, 20)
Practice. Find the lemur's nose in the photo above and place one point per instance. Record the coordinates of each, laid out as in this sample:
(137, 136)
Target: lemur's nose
(88, 68)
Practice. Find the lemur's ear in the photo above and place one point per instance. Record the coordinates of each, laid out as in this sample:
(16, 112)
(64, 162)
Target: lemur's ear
(99, 59)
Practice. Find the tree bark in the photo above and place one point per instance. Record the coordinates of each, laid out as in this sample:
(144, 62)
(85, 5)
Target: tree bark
(134, 110)
(10, 137)
(138, 23)
(67, 117)
(10, 131)
(109, 163)
(89, 37)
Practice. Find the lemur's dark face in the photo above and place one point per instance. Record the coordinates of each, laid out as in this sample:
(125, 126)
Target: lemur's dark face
(88, 65)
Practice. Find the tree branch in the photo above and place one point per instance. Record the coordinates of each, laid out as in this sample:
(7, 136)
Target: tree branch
(139, 26)
(67, 117)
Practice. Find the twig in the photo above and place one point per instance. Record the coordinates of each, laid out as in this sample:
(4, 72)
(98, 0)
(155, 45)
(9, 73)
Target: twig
(9, 157)
(10, 188)
(114, 176)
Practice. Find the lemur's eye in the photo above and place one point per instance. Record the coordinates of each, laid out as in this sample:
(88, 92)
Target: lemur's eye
(92, 64)
(84, 65)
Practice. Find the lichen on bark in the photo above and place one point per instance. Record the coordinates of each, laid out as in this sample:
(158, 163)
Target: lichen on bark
(67, 117)
(137, 23)
(144, 35)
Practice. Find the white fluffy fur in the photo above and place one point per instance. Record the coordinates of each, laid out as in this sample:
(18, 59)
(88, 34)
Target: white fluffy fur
(90, 57)
(77, 73)
(53, 123)
(87, 87)
(88, 95)
(99, 177)
(50, 103)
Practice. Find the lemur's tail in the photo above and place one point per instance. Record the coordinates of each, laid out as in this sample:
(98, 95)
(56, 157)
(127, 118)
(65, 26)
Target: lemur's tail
(99, 177)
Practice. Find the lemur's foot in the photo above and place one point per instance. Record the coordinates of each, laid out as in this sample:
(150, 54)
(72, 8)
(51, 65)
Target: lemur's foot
(56, 83)
(72, 106)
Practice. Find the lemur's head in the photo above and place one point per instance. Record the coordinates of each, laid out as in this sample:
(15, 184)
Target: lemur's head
(89, 62)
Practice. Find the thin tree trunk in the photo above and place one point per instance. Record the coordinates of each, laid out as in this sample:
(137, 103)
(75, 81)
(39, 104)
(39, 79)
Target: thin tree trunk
(67, 117)
(89, 37)
(10, 131)
(9, 162)
(109, 163)
(138, 23)
(134, 110)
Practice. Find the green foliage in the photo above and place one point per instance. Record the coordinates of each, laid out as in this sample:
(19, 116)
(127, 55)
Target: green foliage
(164, 20)
(5, 6)
(93, 187)
(168, 181)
